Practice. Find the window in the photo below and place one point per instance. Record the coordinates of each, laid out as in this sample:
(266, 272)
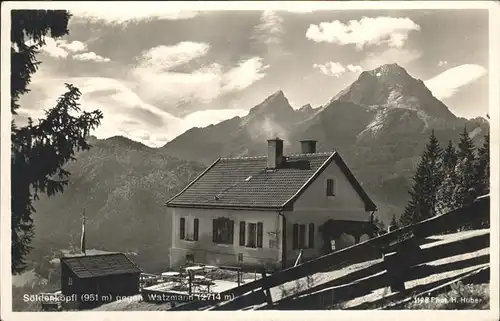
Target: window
(189, 229)
(330, 187)
(70, 281)
(302, 236)
(252, 235)
(242, 233)
(255, 235)
(183, 228)
(223, 230)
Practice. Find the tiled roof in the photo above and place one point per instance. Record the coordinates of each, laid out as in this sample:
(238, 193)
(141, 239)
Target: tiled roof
(246, 183)
(86, 266)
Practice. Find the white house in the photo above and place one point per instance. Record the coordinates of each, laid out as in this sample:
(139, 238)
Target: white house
(261, 211)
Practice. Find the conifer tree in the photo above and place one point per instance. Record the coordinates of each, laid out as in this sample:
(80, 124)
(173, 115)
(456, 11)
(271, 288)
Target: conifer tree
(464, 192)
(40, 149)
(394, 225)
(379, 224)
(482, 168)
(444, 196)
(426, 182)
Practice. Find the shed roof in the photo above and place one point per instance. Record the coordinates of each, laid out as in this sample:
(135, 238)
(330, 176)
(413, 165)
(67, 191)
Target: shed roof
(87, 266)
(246, 183)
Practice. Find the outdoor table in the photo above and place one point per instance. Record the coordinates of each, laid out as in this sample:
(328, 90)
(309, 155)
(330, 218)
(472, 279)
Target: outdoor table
(210, 267)
(194, 268)
(170, 276)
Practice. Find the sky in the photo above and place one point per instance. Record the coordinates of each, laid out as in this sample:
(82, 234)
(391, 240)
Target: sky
(155, 72)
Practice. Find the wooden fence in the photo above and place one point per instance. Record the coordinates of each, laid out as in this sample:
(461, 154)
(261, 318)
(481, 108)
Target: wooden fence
(403, 260)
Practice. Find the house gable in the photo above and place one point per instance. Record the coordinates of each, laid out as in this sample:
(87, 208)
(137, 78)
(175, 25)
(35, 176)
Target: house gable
(350, 193)
(342, 194)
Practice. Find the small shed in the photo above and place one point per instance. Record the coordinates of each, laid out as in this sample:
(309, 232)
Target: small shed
(91, 280)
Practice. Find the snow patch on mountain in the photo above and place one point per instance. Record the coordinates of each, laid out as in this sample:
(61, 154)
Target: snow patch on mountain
(375, 125)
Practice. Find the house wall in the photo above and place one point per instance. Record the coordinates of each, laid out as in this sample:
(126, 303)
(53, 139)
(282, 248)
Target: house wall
(314, 206)
(206, 251)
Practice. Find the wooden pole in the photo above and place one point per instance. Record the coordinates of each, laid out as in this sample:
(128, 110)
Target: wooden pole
(190, 281)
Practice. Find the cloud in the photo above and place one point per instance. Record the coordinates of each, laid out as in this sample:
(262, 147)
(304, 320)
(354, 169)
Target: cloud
(125, 112)
(354, 68)
(270, 30)
(245, 74)
(168, 57)
(392, 55)
(157, 81)
(208, 117)
(269, 33)
(74, 46)
(442, 63)
(114, 14)
(90, 56)
(52, 47)
(62, 49)
(336, 69)
(447, 83)
(364, 32)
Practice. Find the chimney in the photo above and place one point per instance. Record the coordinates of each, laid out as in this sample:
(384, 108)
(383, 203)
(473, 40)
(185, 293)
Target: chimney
(274, 153)
(308, 146)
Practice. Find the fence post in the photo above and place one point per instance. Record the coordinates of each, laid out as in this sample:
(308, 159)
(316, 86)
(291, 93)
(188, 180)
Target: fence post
(265, 288)
(399, 261)
(394, 267)
(190, 281)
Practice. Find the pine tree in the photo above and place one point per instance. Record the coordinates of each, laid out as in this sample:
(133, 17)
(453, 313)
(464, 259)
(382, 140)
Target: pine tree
(394, 225)
(449, 157)
(40, 150)
(379, 224)
(426, 182)
(464, 192)
(444, 196)
(482, 168)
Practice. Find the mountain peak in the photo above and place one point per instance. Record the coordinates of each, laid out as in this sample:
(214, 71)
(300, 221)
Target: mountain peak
(275, 102)
(279, 92)
(123, 141)
(391, 86)
(388, 69)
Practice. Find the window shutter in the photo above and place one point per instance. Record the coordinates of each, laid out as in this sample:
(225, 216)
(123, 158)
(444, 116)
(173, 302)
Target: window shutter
(311, 235)
(242, 233)
(231, 232)
(295, 237)
(183, 228)
(260, 231)
(214, 230)
(196, 229)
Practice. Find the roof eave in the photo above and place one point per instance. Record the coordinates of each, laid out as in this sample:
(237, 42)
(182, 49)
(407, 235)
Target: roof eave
(231, 207)
(192, 182)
